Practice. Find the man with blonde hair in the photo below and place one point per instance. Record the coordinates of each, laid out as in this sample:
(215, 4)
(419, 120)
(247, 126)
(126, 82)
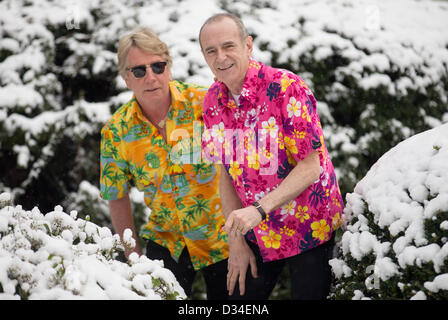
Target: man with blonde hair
(139, 147)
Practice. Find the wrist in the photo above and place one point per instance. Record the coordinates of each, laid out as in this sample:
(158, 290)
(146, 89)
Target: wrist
(260, 210)
(233, 239)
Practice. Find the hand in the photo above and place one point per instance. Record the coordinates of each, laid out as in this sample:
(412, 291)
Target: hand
(240, 257)
(242, 220)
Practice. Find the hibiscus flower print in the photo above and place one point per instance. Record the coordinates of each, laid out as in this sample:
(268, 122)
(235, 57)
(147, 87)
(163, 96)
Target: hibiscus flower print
(214, 110)
(235, 170)
(212, 153)
(286, 82)
(294, 107)
(272, 240)
(290, 145)
(302, 213)
(251, 118)
(298, 134)
(288, 209)
(253, 160)
(305, 114)
(206, 135)
(270, 127)
(287, 231)
(218, 132)
(280, 141)
(320, 229)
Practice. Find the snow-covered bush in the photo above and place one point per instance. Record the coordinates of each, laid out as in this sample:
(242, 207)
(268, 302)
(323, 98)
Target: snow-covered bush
(396, 241)
(379, 70)
(60, 256)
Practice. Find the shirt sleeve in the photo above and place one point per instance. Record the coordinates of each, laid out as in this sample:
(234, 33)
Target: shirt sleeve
(114, 170)
(302, 132)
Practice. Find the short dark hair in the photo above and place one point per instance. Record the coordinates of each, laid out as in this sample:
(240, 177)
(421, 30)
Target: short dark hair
(219, 16)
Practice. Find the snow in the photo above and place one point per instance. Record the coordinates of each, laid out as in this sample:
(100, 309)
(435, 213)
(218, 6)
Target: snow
(56, 256)
(396, 191)
(408, 36)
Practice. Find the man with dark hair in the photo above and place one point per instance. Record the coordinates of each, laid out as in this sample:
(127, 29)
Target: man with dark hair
(278, 187)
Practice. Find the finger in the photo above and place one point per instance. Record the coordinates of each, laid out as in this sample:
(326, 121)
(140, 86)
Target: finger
(232, 283)
(229, 223)
(230, 274)
(245, 230)
(242, 283)
(253, 266)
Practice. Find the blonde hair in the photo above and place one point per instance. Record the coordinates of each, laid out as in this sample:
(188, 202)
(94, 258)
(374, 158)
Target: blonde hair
(144, 39)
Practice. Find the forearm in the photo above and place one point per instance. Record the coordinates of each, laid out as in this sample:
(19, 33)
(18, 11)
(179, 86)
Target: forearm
(305, 173)
(229, 198)
(230, 202)
(122, 218)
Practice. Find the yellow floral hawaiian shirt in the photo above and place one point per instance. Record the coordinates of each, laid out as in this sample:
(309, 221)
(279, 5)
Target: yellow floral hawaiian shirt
(181, 191)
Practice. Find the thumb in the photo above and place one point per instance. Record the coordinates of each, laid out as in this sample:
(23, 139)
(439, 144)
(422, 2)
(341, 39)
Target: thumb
(228, 225)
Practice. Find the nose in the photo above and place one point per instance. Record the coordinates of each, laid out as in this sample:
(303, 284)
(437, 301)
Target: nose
(220, 55)
(150, 75)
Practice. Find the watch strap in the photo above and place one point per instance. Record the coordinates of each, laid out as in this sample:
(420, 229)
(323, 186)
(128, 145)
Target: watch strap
(260, 210)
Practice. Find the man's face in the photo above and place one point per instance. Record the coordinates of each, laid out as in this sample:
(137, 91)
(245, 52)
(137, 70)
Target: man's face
(152, 87)
(225, 53)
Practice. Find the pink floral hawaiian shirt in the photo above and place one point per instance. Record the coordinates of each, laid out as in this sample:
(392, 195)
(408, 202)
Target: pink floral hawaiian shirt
(259, 141)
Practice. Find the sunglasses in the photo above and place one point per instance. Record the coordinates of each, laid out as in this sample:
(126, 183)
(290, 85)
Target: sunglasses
(140, 71)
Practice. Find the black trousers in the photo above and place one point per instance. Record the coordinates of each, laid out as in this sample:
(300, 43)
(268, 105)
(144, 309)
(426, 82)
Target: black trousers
(309, 271)
(214, 275)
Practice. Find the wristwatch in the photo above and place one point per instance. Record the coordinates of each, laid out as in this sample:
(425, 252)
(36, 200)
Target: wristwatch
(260, 209)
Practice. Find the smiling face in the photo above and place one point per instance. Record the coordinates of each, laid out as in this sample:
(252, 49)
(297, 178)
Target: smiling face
(226, 53)
(153, 88)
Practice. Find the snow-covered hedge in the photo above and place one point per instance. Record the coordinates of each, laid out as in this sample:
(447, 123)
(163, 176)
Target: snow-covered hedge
(379, 70)
(59, 256)
(396, 241)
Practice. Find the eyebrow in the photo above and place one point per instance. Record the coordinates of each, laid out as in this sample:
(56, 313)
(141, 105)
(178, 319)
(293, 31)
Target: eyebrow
(228, 42)
(222, 45)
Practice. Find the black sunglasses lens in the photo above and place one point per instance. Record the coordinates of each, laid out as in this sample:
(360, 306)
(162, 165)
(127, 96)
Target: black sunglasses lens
(139, 71)
(158, 67)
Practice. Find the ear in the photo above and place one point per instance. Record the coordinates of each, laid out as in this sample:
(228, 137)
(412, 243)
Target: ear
(249, 45)
(126, 79)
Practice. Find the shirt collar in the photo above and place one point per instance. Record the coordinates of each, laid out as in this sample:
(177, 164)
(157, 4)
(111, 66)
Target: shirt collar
(249, 91)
